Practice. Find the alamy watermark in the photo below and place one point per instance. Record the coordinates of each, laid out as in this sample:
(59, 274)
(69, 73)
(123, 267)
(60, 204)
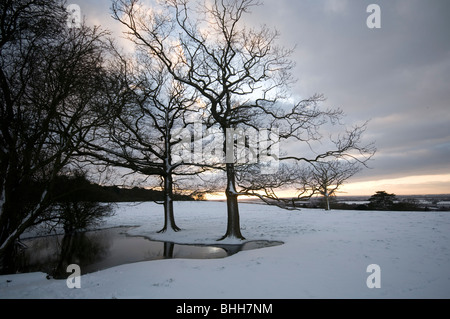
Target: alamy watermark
(237, 145)
(74, 16)
(74, 280)
(374, 279)
(374, 19)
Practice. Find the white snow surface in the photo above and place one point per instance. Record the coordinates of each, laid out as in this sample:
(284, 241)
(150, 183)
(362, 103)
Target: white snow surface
(324, 255)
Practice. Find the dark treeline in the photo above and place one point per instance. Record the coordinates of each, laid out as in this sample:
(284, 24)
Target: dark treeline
(383, 201)
(80, 189)
(77, 189)
(401, 206)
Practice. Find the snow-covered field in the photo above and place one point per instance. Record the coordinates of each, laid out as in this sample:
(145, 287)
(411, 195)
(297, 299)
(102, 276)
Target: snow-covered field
(325, 255)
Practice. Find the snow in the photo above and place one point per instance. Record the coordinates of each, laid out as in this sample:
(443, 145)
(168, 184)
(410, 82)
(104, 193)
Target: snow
(325, 255)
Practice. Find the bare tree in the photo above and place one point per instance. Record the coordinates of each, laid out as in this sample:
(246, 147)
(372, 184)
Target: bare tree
(240, 73)
(72, 208)
(49, 80)
(323, 173)
(325, 178)
(147, 126)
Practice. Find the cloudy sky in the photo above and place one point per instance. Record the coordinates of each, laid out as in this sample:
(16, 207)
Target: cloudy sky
(397, 76)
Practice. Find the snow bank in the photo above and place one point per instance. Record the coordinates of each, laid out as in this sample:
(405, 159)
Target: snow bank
(325, 255)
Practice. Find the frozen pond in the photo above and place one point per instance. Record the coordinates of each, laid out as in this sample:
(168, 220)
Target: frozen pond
(101, 249)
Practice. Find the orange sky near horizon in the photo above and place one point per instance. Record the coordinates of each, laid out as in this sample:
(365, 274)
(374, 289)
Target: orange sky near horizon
(411, 185)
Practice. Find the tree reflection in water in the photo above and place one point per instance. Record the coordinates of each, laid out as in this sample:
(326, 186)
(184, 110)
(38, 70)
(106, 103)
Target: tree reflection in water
(78, 248)
(101, 249)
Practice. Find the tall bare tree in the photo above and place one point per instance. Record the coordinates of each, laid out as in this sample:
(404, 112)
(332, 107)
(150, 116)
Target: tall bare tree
(50, 76)
(240, 73)
(145, 131)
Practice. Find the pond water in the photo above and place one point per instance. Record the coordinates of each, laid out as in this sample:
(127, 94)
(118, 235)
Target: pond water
(101, 249)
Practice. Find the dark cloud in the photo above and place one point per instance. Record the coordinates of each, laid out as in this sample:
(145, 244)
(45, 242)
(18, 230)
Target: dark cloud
(397, 76)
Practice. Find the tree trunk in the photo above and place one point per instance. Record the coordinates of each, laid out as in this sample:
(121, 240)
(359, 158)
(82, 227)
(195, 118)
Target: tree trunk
(327, 202)
(6, 258)
(233, 223)
(168, 249)
(326, 196)
(169, 218)
(67, 251)
(11, 227)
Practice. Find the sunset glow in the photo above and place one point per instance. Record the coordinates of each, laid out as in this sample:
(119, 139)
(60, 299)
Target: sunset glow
(410, 185)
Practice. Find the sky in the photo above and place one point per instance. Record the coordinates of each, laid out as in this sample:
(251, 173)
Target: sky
(396, 76)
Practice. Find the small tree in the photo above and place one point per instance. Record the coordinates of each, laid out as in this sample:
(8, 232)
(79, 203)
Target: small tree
(72, 210)
(325, 178)
(382, 201)
(76, 216)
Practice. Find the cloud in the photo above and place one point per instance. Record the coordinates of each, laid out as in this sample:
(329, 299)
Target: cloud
(335, 6)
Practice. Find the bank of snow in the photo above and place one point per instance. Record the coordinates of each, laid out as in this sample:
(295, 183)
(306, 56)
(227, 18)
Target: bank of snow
(325, 255)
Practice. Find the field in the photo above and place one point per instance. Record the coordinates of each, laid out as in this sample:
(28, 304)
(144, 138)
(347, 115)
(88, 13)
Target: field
(324, 255)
